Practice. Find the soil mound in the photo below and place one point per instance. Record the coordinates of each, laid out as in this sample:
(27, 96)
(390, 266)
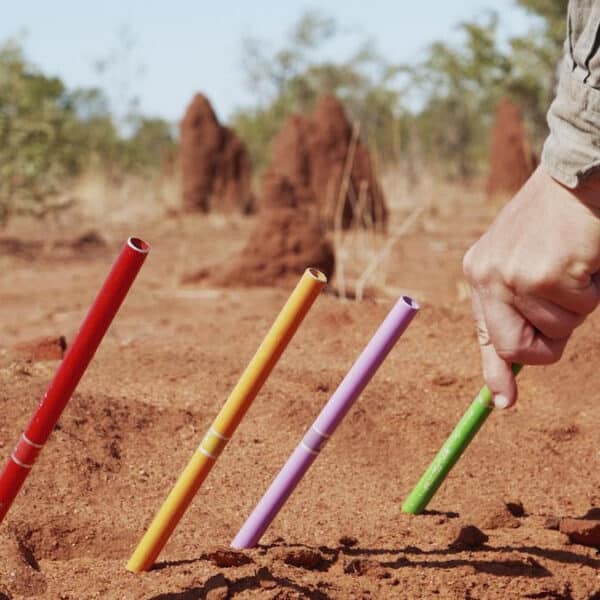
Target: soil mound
(320, 152)
(582, 531)
(511, 158)
(287, 240)
(214, 163)
(494, 514)
(43, 348)
(468, 537)
(157, 382)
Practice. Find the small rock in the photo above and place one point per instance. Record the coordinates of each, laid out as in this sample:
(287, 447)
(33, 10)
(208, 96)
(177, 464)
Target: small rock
(469, 537)
(443, 380)
(348, 541)
(89, 240)
(501, 519)
(43, 348)
(304, 558)
(552, 522)
(225, 557)
(516, 509)
(493, 514)
(581, 531)
(363, 567)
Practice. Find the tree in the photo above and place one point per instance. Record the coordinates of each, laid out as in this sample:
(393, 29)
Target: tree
(49, 134)
(36, 121)
(291, 78)
(460, 85)
(455, 87)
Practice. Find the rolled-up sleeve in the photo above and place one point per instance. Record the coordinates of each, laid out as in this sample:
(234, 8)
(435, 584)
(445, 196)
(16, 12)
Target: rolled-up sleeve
(572, 150)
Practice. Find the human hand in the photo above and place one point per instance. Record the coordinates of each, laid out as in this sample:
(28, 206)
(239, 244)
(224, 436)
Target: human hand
(534, 277)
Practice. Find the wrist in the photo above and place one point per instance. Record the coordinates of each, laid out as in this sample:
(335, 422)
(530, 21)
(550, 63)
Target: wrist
(586, 192)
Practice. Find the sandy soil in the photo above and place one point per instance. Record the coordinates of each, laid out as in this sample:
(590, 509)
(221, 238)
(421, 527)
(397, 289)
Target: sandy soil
(166, 367)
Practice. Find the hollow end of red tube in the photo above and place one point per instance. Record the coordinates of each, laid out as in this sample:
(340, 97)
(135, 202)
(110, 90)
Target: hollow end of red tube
(139, 245)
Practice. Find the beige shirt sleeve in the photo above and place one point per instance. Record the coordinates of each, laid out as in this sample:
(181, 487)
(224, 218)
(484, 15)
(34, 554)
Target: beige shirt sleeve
(572, 150)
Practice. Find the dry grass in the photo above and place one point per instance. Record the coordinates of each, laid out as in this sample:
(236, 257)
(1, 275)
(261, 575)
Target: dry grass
(363, 255)
(101, 199)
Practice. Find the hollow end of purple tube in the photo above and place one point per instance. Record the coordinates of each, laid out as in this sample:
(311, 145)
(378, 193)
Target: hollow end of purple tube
(410, 302)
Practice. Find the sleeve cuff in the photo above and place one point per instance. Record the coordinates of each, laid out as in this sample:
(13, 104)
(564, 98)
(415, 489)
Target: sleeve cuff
(572, 150)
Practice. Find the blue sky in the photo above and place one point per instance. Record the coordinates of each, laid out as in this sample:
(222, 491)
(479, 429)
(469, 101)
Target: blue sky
(186, 46)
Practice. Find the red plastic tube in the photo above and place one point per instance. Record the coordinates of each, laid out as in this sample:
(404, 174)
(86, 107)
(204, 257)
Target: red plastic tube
(74, 364)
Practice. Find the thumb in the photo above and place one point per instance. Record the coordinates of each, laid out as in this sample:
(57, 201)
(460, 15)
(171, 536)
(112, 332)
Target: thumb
(497, 372)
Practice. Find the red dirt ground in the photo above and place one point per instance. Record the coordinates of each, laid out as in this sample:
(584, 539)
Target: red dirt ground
(166, 367)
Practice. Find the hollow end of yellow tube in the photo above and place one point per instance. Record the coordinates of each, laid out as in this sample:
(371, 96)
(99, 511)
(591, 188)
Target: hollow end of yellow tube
(317, 275)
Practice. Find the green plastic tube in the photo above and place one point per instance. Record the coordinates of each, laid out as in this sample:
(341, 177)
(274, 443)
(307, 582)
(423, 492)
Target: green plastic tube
(452, 450)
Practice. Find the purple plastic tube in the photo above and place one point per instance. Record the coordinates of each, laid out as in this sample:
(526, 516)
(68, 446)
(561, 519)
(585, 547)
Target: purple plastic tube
(330, 417)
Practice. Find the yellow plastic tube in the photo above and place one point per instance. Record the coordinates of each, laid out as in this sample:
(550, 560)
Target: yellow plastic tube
(227, 420)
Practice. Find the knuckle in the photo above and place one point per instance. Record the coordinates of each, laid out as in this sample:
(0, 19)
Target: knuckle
(476, 267)
(514, 354)
(528, 279)
(518, 279)
(578, 270)
(513, 346)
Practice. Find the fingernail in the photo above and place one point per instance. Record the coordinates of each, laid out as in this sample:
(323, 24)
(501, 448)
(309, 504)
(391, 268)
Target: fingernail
(500, 401)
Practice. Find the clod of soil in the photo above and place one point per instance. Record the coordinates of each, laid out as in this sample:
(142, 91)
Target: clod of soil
(43, 348)
(348, 541)
(89, 240)
(494, 514)
(516, 509)
(215, 166)
(304, 558)
(287, 240)
(225, 557)
(23, 249)
(366, 568)
(469, 537)
(581, 531)
(442, 380)
(511, 158)
(551, 522)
